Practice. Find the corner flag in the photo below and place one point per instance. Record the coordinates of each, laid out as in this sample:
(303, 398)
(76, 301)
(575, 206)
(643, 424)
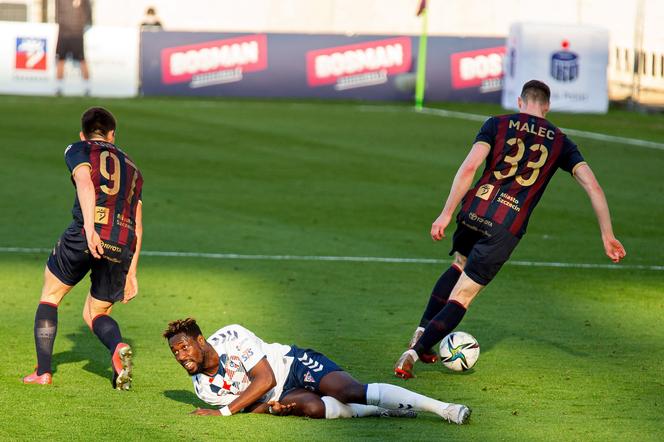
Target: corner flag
(421, 57)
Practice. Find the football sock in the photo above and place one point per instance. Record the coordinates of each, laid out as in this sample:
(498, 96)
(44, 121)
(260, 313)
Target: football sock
(335, 409)
(46, 327)
(108, 331)
(393, 397)
(440, 293)
(440, 326)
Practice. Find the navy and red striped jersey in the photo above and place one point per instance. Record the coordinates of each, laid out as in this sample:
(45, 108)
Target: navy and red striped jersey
(525, 153)
(118, 188)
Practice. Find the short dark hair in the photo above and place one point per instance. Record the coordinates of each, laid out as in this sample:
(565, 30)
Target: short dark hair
(97, 121)
(537, 91)
(187, 326)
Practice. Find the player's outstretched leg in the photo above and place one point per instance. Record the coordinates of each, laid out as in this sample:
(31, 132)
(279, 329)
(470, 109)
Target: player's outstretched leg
(311, 405)
(346, 389)
(335, 409)
(437, 301)
(391, 396)
(440, 326)
(46, 328)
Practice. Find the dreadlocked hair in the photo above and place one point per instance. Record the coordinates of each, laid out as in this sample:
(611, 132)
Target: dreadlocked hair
(187, 326)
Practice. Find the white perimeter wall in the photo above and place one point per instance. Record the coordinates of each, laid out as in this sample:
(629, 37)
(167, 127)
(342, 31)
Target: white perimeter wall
(446, 17)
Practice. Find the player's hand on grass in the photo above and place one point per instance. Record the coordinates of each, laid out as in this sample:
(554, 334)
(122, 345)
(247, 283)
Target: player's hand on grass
(439, 225)
(131, 288)
(206, 412)
(94, 243)
(279, 409)
(614, 249)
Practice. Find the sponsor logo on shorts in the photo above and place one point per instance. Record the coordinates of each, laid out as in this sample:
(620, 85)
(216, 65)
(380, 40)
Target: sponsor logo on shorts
(478, 219)
(308, 377)
(111, 247)
(308, 362)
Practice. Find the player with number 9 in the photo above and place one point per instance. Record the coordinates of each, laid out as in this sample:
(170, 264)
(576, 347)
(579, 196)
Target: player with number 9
(104, 239)
(521, 152)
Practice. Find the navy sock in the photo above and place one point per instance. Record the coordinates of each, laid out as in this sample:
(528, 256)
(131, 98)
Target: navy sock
(46, 327)
(440, 293)
(440, 326)
(108, 331)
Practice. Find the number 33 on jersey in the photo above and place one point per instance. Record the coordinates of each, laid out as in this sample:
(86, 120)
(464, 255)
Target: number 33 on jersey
(525, 153)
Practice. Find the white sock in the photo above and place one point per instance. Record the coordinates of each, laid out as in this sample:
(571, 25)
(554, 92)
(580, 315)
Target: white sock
(335, 409)
(393, 397)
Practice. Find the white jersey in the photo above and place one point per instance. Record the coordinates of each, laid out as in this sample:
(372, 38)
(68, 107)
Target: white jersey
(239, 351)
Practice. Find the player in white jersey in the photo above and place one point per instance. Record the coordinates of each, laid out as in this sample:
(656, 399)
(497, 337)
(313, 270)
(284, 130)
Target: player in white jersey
(236, 371)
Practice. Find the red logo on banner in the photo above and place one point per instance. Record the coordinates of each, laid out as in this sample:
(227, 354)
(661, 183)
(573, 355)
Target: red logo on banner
(214, 62)
(30, 53)
(361, 64)
(481, 67)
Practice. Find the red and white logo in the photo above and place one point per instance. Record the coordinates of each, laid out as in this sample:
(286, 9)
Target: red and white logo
(214, 62)
(31, 53)
(357, 65)
(482, 67)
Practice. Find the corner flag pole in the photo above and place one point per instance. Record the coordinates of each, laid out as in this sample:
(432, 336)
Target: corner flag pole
(420, 81)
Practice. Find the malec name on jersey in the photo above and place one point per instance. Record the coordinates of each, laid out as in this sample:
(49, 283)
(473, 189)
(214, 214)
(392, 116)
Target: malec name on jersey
(525, 127)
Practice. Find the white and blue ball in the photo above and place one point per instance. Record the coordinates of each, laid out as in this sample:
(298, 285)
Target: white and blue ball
(459, 351)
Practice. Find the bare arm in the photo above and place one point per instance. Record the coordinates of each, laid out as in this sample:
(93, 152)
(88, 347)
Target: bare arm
(462, 182)
(131, 285)
(262, 381)
(85, 191)
(585, 177)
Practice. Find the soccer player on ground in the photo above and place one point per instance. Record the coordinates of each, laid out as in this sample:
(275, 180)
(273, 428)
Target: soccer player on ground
(104, 239)
(236, 371)
(521, 153)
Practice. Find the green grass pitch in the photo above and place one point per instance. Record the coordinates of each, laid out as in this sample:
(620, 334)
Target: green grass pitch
(567, 353)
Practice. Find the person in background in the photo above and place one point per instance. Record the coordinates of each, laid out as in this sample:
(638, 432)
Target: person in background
(73, 18)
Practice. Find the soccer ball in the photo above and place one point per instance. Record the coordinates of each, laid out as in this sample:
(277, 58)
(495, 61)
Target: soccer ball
(459, 351)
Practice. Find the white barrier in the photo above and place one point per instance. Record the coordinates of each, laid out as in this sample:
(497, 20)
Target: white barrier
(27, 61)
(27, 58)
(571, 59)
(112, 56)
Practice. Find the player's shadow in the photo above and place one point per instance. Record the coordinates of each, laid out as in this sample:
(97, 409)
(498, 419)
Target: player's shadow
(185, 397)
(508, 331)
(86, 347)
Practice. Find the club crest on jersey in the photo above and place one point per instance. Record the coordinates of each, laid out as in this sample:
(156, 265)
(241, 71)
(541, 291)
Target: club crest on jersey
(308, 377)
(484, 192)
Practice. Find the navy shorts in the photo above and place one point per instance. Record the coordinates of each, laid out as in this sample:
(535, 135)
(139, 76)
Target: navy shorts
(308, 369)
(70, 44)
(70, 261)
(487, 246)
